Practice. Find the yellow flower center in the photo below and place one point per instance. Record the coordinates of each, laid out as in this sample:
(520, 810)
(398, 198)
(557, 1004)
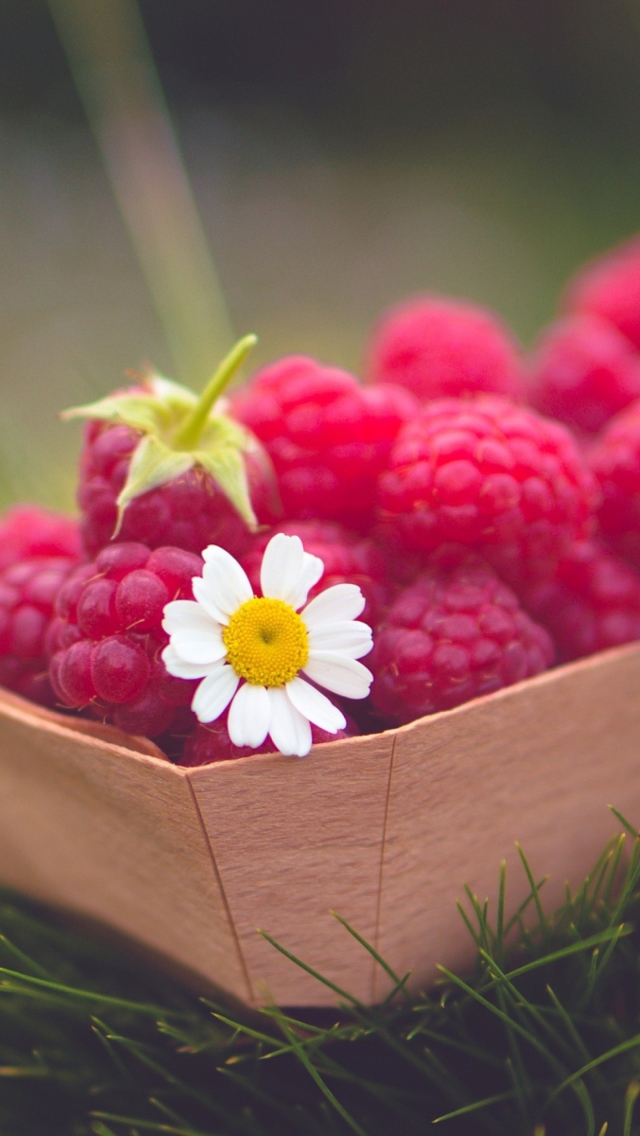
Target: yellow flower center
(267, 642)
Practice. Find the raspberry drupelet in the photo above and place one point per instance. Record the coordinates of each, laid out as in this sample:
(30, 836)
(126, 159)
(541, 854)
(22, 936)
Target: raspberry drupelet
(593, 602)
(347, 557)
(583, 372)
(28, 531)
(609, 287)
(457, 632)
(615, 461)
(439, 347)
(28, 591)
(212, 743)
(106, 640)
(491, 475)
(327, 436)
(164, 466)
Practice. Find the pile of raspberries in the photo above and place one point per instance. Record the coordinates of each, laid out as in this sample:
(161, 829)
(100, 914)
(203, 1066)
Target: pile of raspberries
(486, 503)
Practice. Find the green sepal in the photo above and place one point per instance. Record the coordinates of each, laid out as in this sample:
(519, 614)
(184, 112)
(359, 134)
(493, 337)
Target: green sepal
(229, 471)
(181, 430)
(176, 397)
(156, 409)
(223, 431)
(152, 464)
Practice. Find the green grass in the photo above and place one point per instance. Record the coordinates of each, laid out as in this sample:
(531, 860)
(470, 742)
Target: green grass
(542, 1038)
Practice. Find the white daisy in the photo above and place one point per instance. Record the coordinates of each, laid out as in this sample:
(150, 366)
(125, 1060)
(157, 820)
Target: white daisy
(251, 651)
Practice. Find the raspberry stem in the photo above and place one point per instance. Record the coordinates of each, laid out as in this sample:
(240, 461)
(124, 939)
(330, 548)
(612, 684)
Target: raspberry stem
(188, 435)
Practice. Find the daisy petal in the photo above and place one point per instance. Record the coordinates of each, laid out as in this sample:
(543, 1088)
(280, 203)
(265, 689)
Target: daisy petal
(312, 569)
(285, 569)
(342, 602)
(249, 716)
(347, 638)
(215, 693)
(179, 669)
(315, 706)
(203, 593)
(225, 584)
(339, 674)
(290, 730)
(195, 636)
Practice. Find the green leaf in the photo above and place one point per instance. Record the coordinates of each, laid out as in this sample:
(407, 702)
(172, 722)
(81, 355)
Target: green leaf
(497, 1098)
(153, 464)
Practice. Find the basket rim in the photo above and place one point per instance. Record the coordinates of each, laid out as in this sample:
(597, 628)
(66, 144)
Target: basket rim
(146, 752)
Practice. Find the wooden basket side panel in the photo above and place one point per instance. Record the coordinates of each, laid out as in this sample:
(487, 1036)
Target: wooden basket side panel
(116, 837)
(294, 839)
(543, 761)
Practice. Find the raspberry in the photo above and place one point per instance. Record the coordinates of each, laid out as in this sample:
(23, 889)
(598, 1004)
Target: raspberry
(615, 460)
(165, 467)
(583, 372)
(189, 512)
(28, 589)
(438, 347)
(106, 642)
(28, 531)
(492, 475)
(456, 633)
(592, 604)
(327, 436)
(212, 743)
(347, 558)
(609, 287)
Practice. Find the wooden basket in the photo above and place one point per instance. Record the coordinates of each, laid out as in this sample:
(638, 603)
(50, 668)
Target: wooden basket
(385, 830)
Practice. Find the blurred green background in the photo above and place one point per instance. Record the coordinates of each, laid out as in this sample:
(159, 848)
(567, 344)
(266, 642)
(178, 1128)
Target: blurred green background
(343, 153)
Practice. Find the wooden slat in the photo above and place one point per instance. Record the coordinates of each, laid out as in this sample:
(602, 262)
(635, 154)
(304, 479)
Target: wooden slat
(112, 834)
(294, 838)
(538, 763)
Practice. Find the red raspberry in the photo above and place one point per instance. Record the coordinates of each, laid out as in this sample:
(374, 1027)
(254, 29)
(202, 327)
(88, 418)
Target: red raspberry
(28, 589)
(106, 642)
(189, 512)
(609, 287)
(456, 633)
(164, 466)
(212, 743)
(490, 474)
(583, 372)
(28, 531)
(592, 604)
(327, 436)
(438, 348)
(615, 460)
(347, 558)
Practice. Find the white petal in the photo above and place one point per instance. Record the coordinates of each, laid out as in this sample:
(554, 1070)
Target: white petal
(288, 571)
(249, 716)
(347, 638)
(203, 593)
(179, 669)
(225, 584)
(339, 674)
(195, 636)
(290, 730)
(179, 614)
(315, 706)
(336, 604)
(215, 693)
(312, 569)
